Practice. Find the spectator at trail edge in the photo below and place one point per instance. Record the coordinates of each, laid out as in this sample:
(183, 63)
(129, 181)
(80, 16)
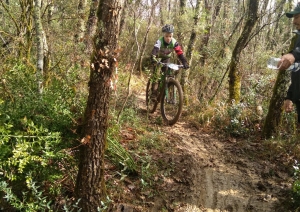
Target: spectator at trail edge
(163, 49)
(293, 93)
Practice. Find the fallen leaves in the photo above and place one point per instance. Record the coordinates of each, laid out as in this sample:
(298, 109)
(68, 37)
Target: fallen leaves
(128, 134)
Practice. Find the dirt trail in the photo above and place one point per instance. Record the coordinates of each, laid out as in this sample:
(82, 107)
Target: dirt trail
(216, 177)
(212, 175)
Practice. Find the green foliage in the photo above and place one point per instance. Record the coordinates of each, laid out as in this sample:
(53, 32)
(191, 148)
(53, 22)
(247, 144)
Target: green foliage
(35, 130)
(236, 125)
(34, 133)
(296, 186)
(27, 157)
(52, 110)
(120, 156)
(31, 150)
(32, 200)
(148, 168)
(116, 153)
(238, 120)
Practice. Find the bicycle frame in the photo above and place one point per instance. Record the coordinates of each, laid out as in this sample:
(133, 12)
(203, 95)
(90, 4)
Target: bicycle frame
(169, 92)
(163, 79)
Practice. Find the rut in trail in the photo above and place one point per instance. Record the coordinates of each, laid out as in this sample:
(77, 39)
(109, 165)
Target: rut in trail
(210, 175)
(213, 175)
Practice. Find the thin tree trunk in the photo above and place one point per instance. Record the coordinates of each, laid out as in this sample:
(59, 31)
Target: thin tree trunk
(47, 55)
(234, 72)
(144, 43)
(190, 49)
(50, 11)
(210, 21)
(182, 7)
(276, 28)
(182, 11)
(40, 48)
(26, 25)
(81, 21)
(123, 16)
(162, 9)
(90, 185)
(273, 117)
(91, 26)
(136, 29)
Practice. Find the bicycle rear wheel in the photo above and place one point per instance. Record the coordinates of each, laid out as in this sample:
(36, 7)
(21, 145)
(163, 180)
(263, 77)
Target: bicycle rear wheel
(151, 102)
(172, 102)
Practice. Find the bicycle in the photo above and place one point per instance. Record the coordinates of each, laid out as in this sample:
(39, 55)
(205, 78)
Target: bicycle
(169, 93)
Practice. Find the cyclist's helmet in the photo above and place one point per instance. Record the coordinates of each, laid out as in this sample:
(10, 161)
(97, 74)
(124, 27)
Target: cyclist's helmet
(168, 28)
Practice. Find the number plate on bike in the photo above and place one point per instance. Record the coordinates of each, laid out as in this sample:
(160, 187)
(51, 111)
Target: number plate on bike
(173, 66)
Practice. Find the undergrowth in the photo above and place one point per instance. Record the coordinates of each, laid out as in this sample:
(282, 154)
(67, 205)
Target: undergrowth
(38, 163)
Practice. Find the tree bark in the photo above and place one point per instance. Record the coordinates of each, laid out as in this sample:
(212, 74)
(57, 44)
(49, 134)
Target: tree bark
(179, 32)
(26, 25)
(144, 43)
(124, 16)
(81, 21)
(91, 26)
(182, 7)
(40, 46)
(90, 185)
(273, 117)
(210, 21)
(277, 28)
(190, 49)
(50, 11)
(234, 74)
(162, 9)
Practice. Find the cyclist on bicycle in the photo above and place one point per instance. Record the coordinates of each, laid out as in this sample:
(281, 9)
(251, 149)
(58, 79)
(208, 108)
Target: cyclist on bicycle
(163, 49)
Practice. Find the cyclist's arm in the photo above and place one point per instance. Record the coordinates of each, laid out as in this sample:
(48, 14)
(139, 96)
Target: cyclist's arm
(180, 55)
(296, 50)
(155, 50)
(178, 49)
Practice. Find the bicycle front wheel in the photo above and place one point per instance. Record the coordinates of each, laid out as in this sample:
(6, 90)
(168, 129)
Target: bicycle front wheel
(172, 102)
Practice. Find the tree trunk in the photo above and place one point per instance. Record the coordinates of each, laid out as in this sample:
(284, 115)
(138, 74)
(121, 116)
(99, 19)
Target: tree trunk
(182, 7)
(234, 74)
(90, 185)
(26, 25)
(162, 10)
(91, 26)
(210, 21)
(124, 16)
(50, 11)
(40, 48)
(190, 49)
(179, 32)
(275, 107)
(277, 28)
(81, 21)
(144, 43)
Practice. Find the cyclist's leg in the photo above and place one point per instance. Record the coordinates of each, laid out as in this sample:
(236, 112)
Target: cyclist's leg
(154, 83)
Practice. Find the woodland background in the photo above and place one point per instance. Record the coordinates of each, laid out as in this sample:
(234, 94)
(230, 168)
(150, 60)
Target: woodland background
(45, 52)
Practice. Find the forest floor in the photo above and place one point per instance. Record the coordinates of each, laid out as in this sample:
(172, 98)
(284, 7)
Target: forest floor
(198, 169)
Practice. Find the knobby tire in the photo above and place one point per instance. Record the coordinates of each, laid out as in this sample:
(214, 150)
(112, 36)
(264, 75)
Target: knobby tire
(151, 105)
(172, 102)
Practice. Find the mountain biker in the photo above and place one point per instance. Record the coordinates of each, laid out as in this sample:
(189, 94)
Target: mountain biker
(293, 93)
(163, 49)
